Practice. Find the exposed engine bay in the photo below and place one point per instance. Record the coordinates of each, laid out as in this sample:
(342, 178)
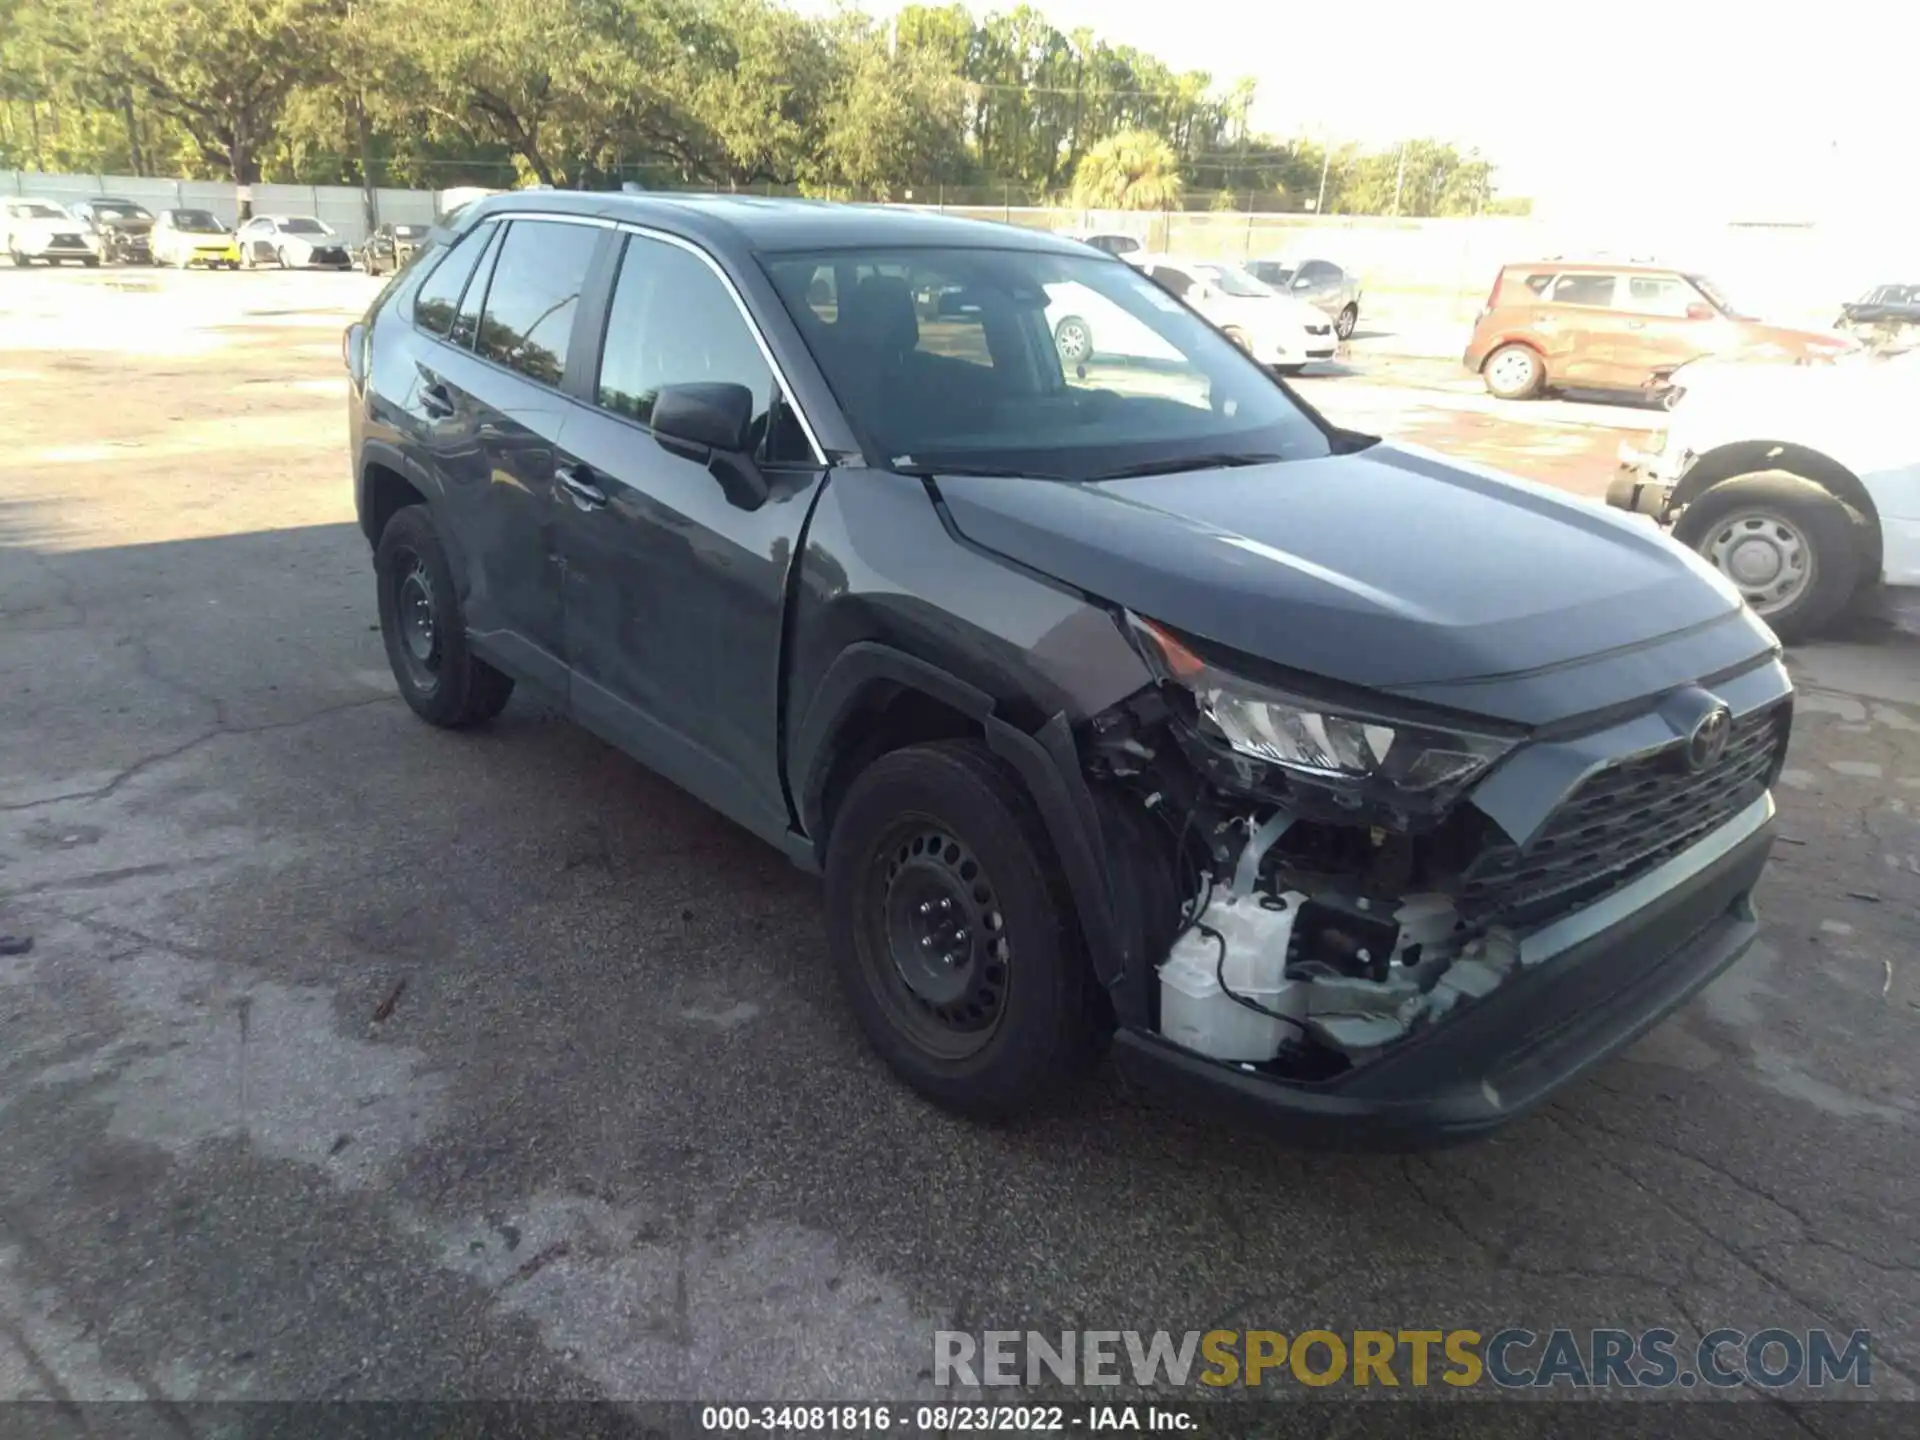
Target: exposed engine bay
(1290, 930)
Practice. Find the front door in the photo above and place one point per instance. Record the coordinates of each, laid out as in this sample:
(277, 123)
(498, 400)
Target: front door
(675, 597)
(1665, 327)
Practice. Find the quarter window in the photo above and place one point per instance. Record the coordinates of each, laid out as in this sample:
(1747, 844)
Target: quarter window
(466, 323)
(439, 293)
(532, 297)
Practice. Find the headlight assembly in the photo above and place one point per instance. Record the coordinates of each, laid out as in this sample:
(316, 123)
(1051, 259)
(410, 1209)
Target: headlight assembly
(1360, 754)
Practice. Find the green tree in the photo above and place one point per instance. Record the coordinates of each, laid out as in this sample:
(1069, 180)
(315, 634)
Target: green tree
(1134, 170)
(893, 122)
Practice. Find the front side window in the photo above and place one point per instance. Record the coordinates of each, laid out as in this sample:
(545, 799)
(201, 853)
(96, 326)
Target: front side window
(1663, 295)
(674, 322)
(1320, 272)
(1046, 364)
(439, 293)
(1581, 289)
(533, 295)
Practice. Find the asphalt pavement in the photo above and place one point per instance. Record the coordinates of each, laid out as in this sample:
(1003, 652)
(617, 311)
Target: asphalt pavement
(353, 1059)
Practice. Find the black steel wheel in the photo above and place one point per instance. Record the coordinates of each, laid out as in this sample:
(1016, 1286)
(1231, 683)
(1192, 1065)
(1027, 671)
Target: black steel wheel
(956, 943)
(439, 677)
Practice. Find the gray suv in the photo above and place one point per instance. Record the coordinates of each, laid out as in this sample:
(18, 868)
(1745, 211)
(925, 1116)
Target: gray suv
(1121, 704)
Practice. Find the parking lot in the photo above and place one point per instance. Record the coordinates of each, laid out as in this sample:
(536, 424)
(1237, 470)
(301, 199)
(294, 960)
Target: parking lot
(354, 1059)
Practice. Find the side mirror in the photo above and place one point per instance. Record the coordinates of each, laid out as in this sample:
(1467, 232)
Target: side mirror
(712, 422)
(1697, 311)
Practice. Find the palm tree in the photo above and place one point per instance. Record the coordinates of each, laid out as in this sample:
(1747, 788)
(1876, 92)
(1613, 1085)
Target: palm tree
(1134, 170)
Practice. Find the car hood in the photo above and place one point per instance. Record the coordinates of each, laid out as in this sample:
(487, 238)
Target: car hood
(1259, 312)
(1387, 568)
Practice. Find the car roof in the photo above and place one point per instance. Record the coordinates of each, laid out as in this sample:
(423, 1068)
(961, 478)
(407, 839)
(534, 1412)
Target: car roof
(1611, 267)
(772, 226)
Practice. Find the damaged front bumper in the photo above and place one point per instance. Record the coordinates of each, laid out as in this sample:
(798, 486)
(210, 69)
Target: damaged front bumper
(1588, 984)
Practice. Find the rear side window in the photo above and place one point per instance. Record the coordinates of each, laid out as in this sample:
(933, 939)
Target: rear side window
(533, 295)
(1596, 290)
(439, 293)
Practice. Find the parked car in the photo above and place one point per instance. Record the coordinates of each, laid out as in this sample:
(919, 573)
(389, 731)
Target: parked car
(183, 237)
(1618, 327)
(1275, 329)
(1321, 283)
(45, 230)
(1885, 315)
(293, 242)
(390, 246)
(1155, 715)
(1112, 242)
(122, 226)
(1801, 486)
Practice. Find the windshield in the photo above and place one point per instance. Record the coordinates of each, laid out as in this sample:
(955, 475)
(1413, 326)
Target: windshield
(1030, 362)
(118, 211)
(1271, 272)
(1232, 280)
(40, 210)
(1720, 302)
(300, 225)
(197, 222)
(1895, 295)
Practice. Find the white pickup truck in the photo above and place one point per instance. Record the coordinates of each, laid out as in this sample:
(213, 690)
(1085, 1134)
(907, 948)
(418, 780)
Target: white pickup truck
(1800, 484)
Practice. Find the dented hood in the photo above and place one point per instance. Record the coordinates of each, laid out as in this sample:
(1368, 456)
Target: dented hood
(1387, 568)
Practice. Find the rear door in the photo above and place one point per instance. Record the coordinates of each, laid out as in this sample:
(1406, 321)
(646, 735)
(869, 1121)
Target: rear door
(1579, 328)
(494, 386)
(675, 597)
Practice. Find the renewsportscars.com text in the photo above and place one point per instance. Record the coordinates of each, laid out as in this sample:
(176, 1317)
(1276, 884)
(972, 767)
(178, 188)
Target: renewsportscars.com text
(1510, 1358)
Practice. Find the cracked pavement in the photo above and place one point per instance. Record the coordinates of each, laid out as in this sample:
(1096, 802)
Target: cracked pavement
(354, 1059)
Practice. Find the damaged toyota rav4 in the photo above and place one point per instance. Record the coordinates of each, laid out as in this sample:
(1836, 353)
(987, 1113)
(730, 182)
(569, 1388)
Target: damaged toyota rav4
(1121, 699)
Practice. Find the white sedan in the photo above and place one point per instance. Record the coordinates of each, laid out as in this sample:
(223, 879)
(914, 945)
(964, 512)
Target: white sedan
(1799, 484)
(292, 242)
(1274, 329)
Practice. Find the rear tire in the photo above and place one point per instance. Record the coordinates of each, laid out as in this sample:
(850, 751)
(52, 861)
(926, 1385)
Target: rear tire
(953, 934)
(1073, 338)
(1514, 372)
(1793, 548)
(425, 632)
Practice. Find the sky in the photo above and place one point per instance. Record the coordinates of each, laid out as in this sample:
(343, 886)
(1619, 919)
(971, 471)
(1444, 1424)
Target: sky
(1725, 108)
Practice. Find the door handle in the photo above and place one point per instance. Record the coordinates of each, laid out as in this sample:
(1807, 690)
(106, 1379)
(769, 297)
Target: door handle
(435, 400)
(1636, 324)
(574, 480)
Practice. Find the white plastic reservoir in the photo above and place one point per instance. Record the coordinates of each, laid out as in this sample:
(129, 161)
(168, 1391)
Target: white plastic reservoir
(1197, 1013)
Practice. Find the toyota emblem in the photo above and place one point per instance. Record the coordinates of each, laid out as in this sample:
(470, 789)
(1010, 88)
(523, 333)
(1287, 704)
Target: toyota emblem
(1709, 739)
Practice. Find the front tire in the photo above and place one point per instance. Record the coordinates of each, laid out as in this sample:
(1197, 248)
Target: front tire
(426, 636)
(1792, 548)
(953, 934)
(1514, 372)
(1073, 338)
(1345, 322)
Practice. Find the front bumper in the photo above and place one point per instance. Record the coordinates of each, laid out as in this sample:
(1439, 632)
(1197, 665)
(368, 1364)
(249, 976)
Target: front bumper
(55, 248)
(1645, 481)
(1591, 984)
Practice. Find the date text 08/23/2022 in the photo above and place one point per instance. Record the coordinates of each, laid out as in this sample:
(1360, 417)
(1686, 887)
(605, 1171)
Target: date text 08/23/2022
(941, 1419)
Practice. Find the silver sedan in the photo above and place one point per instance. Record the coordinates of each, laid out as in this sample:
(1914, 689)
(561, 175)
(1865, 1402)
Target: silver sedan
(1320, 283)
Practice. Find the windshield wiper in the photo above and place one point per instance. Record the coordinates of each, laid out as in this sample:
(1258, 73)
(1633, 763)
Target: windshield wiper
(920, 471)
(1185, 462)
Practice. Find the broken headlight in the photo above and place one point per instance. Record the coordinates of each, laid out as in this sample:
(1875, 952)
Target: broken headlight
(1358, 753)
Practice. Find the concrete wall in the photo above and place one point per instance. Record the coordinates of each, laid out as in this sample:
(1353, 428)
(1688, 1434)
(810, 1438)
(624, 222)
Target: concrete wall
(1446, 266)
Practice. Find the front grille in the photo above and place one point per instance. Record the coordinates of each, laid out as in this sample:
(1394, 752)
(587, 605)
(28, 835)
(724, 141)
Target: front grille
(1319, 329)
(1621, 822)
(68, 240)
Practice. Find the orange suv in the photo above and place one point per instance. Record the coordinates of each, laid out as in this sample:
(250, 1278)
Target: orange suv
(1597, 326)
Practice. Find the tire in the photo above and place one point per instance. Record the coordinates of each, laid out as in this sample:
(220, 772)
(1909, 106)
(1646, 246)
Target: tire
(280, 257)
(1291, 369)
(1346, 321)
(1755, 527)
(1514, 372)
(20, 261)
(444, 682)
(92, 262)
(1015, 1023)
(1073, 338)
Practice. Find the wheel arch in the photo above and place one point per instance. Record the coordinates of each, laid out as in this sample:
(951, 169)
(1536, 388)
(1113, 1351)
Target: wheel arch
(874, 699)
(1525, 342)
(1727, 462)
